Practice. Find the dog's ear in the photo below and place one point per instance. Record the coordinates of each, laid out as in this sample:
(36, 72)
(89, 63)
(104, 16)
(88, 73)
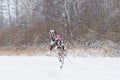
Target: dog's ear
(55, 32)
(48, 31)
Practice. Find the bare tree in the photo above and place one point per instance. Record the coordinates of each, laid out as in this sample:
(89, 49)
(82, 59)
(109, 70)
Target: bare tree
(1, 14)
(17, 11)
(9, 14)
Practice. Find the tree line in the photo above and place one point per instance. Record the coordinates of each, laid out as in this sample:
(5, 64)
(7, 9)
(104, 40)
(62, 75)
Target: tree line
(27, 22)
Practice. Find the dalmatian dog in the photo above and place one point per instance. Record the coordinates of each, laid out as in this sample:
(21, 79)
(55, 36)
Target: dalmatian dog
(55, 40)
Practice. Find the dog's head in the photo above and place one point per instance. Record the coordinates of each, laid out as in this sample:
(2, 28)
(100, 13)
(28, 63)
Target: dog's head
(52, 33)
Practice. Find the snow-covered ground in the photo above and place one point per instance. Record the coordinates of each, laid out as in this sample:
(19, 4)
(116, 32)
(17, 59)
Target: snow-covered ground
(47, 68)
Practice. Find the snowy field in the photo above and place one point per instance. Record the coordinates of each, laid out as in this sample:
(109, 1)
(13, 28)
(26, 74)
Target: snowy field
(47, 68)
